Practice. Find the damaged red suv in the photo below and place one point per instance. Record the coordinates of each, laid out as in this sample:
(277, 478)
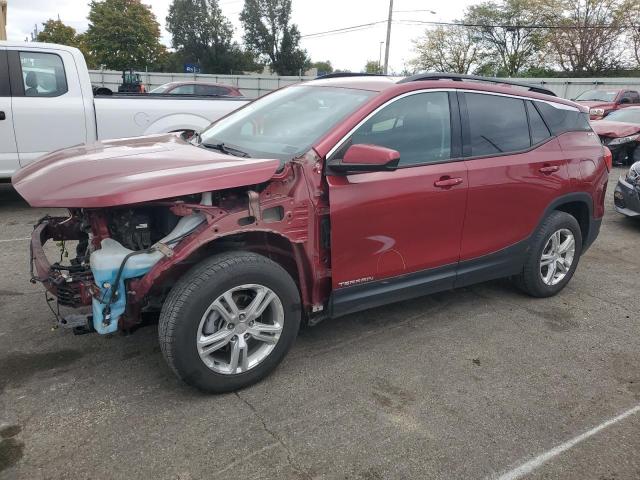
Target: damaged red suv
(318, 200)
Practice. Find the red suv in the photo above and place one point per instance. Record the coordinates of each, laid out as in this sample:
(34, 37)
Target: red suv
(318, 200)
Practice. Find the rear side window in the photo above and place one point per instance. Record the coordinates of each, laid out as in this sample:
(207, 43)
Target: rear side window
(562, 119)
(211, 90)
(418, 126)
(539, 131)
(42, 74)
(183, 90)
(497, 124)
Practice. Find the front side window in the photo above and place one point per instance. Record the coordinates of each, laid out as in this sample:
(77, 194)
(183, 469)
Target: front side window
(287, 122)
(497, 124)
(418, 126)
(43, 74)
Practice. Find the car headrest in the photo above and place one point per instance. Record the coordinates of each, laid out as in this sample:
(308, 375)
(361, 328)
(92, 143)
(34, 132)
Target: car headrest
(32, 80)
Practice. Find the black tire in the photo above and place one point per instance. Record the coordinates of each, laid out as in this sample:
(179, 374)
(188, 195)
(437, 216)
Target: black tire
(193, 294)
(530, 280)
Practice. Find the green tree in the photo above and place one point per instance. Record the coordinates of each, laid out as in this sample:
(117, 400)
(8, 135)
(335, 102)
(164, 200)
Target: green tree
(55, 31)
(509, 45)
(450, 49)
(323, 67)
(373, 66)
(270, 34)
(202, 34)
(123, 34)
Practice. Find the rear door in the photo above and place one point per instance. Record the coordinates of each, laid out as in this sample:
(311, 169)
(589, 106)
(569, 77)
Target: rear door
(48, 108)
(516, 169)
(8, 150)
(397, 234)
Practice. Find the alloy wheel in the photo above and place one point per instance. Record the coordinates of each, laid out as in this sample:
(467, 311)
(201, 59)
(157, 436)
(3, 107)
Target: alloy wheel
(240, 329)
(557, 256)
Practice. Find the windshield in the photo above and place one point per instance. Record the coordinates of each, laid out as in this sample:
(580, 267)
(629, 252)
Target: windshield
(626, 115)
(598, 96)
(286, 123)
(161, 88)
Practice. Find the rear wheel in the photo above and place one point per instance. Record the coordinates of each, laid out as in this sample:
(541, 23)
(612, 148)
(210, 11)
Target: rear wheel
(229, 321)
(553, 257)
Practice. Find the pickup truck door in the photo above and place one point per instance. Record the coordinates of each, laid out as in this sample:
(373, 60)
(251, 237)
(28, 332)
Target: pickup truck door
(8, 150)
(48, 107)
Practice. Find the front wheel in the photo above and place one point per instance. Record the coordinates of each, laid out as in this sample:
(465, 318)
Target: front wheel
(553, 257)
(229, 321)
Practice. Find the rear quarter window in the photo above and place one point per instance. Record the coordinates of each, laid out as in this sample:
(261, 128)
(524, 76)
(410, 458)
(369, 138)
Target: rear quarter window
(561, 120)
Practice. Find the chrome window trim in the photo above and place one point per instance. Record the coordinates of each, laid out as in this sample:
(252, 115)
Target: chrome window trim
(341, 142)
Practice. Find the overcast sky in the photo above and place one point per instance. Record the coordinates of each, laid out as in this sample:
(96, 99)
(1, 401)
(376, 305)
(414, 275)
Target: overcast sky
(346, 51)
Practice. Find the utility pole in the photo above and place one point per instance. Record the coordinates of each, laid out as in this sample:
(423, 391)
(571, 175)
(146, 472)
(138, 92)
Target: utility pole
(380, 58)
(386, 49)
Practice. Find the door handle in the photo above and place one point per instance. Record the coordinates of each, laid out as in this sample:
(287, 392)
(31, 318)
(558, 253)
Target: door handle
(549, 169)
(2, 116)
(447, 182)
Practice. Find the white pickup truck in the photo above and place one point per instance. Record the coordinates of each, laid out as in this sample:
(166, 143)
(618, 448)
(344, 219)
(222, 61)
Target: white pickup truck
(47, 103)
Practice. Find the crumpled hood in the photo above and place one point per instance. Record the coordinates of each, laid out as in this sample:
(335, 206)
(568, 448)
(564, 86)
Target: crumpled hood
(606, 128)
(126, 171)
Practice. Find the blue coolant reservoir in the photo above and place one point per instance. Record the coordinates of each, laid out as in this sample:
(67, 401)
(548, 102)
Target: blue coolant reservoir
(106, 262)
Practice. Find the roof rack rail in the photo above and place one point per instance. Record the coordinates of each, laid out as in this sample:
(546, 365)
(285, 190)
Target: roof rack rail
(349, 74)
(460, 77)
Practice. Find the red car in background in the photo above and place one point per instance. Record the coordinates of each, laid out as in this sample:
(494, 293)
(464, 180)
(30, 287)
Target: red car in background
(198, 88)
(318, 200)
(620, 132)
(603, 102)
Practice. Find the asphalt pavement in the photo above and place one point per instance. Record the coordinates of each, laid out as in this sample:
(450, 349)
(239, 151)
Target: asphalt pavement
(468, 384)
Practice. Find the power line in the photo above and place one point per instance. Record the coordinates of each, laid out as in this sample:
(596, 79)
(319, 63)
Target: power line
(364, 26)
(343, 30)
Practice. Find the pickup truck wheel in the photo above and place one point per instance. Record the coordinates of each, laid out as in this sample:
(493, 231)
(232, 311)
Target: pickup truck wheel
(229, 321)
(553, 257)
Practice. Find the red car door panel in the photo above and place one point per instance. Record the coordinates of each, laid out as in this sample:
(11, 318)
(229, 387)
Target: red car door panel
(507, 196)
(385, 224)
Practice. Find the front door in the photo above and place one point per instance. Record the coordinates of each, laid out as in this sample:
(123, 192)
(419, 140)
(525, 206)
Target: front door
(8, 149)
(48, 107)
(394, 234)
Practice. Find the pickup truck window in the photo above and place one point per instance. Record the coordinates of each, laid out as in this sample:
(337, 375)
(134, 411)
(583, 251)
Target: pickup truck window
(284, 124)
(43, 74)
(5, 90)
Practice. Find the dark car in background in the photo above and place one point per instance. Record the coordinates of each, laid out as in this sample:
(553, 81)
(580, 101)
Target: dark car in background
(620, 131)
(198, 88)
(626, 197)
(603, 102)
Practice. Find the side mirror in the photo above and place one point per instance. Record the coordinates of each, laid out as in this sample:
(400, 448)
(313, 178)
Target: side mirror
(366, 158)
(624, 100)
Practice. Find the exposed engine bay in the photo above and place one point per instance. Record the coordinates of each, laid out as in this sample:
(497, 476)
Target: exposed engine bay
(114, 245)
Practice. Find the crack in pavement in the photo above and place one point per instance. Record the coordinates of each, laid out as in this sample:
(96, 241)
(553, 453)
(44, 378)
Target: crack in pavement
(299, 469)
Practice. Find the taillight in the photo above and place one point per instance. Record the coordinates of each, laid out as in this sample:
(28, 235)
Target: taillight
(608, 158)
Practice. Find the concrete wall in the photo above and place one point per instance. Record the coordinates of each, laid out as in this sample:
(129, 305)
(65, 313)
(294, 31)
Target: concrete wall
(250, 85)
(572, 87)
(257, 85)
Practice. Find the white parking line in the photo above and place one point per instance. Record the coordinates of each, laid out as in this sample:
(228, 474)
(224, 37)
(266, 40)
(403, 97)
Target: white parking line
(538, 461)
(15, 239)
